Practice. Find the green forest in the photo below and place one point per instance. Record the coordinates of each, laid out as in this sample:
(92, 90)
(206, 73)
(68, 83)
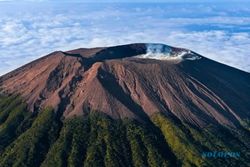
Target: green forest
(46, 139)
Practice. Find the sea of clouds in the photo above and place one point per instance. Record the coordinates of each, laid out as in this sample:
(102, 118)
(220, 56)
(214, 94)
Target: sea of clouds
(29, 30)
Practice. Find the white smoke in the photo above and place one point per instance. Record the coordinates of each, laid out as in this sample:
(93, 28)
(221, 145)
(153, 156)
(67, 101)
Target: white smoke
(165, 52)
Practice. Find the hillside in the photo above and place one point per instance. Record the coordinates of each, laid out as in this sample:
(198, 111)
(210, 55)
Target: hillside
(130, 105)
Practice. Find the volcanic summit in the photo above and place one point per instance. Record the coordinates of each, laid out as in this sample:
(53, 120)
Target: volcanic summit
(159, 106)
(134, 81)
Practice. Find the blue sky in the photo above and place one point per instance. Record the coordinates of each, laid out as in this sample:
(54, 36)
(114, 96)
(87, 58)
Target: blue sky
(219, 30)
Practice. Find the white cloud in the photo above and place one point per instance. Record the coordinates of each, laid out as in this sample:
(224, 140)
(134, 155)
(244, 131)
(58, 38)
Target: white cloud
(230, 49)
(217, 34)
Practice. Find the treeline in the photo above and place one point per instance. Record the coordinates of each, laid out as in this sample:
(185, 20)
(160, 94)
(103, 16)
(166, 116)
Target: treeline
(42, 139)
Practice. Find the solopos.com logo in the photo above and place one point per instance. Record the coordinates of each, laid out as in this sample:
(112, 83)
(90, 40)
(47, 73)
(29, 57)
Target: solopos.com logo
(220, 154)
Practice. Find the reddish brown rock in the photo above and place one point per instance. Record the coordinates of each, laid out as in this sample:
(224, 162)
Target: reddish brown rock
(112, 81)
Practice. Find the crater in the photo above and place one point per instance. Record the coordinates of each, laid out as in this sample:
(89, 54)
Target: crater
(165, 52)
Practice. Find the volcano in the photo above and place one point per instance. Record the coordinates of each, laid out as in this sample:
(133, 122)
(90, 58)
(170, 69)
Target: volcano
(129, 105)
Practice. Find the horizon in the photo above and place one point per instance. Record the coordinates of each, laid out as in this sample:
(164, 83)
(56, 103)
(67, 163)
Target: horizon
(216, 30)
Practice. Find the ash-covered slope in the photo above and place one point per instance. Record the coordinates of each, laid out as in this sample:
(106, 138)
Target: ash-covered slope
(134, 81)
(181, 109)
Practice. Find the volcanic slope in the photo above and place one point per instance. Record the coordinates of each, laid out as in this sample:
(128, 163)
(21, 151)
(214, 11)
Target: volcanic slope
(129, 105)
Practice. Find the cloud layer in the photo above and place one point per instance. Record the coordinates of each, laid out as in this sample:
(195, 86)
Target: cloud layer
(31, 30)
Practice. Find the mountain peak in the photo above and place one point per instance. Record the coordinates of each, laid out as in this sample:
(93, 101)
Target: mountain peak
(133, 81)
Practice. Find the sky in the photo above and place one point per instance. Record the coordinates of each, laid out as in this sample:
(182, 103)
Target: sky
(29, 29)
